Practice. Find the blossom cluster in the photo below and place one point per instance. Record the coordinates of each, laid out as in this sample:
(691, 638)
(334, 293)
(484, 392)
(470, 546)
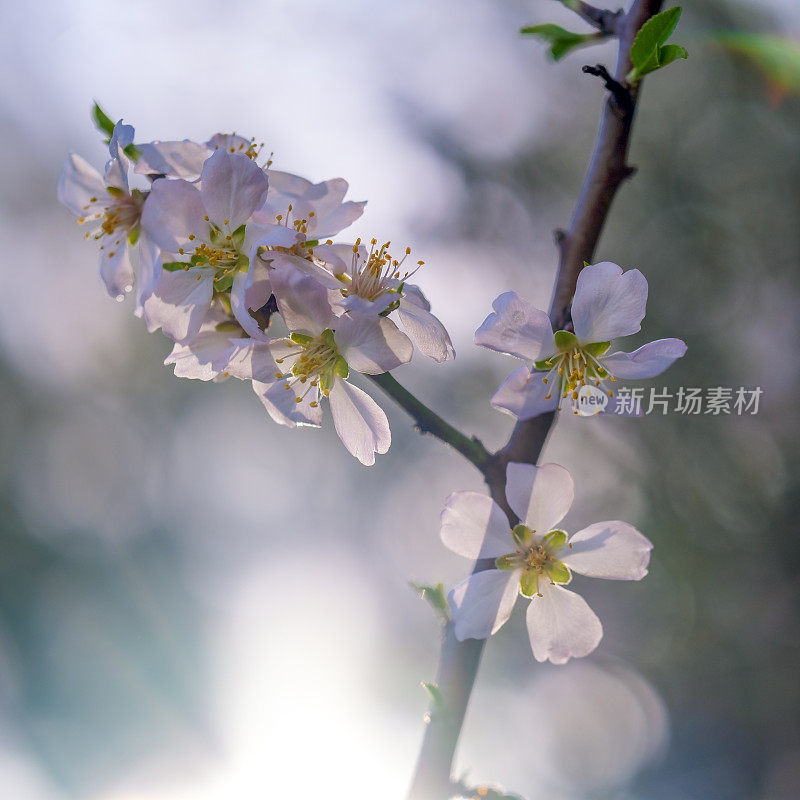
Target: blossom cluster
(222, 249)
(217, 242)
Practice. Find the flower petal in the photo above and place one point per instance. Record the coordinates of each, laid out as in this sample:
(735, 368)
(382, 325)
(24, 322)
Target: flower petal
(649, 360)
(148, 273)
(233, 187)
(561, 625)
(176, 159)
(372, 345)
(78, 184)
(426, 331)
(172, 212)
(516, 328)
(360, 422)
(250, 292)
(252, 360)
(180, 302)
(483, 602)
(539, 496)
(608, 303)
(474, 526)
(524, 395)
(204, 358)
(282, 405)
(302, 300)
(612, 550)
(116, 270)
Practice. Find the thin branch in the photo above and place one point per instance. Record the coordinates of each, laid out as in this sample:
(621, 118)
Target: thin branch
(608, 168)
(428, 421)
(601, 18)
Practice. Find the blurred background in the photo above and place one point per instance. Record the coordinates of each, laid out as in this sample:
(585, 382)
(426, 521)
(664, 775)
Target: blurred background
(197, 604)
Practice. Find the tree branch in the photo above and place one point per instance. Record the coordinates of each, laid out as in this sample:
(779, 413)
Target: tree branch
(601, 18)
(428, 421)
(459, 661)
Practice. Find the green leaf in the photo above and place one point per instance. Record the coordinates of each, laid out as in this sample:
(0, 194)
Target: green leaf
(435, 596)
(104, 123)
(648, 52)
(174, 266)
(561, 40)
(670, 53)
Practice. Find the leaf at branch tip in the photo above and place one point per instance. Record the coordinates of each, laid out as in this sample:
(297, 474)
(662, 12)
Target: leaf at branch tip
(435, 692)
(649, 51)
(561, 40)
(436, 596)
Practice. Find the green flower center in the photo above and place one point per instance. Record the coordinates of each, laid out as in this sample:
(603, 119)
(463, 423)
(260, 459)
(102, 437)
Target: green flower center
(318, 362)
(574, 365)
(537, 557)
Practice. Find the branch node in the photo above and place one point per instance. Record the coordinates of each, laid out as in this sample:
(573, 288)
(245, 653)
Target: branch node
(559, 234)
(620, 92)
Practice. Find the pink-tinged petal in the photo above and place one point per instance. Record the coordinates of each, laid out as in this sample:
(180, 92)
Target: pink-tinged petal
(180, 302)
(302, 301)
(115, 269)
(249, 293)
(322, 226)
(516, 328)
(426, 331)
(474, 526)
(174, 159)
(319, 274)
(371, 345)
(561, 625)
(286, 183)
(78, 184)
(524, 395)
(172, 212)
(338, 257)
(483, 602)
(327, 196)
(539, 496)
(282, 405)
(648, 361)
(204, 358)
(233, 187)
(608, 302)
(147, 275)
(612, 550)
(360, 422)
(252, 360)
(413, 294)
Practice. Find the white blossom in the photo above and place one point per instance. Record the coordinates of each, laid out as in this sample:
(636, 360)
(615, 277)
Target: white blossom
(372, 282)
(317, 358)
(210, 234)
(608, 304)
(536, 559)
(108, 207)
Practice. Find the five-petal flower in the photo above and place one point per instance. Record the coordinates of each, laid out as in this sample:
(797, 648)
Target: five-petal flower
(608, 304)
(536, 559)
